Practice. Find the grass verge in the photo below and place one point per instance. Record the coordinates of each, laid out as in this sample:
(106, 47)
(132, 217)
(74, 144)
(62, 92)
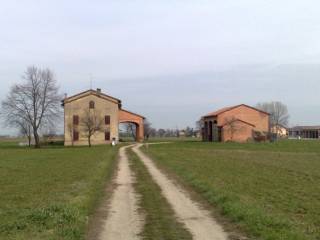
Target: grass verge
(160, 221)
(49, 193)
(270, 191)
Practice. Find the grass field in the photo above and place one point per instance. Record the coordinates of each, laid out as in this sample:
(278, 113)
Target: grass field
(48, 193)
(160, 221)
(272, 190)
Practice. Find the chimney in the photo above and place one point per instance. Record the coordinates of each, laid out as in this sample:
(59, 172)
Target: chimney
(65, 95)
(99, 90)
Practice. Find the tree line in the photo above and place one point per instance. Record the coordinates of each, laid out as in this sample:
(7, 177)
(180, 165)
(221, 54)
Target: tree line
(151, 132)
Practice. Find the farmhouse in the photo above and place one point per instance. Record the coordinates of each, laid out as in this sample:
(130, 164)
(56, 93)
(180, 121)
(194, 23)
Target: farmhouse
(280, 130)
(238, 123)
(103, 112)
(305, 132)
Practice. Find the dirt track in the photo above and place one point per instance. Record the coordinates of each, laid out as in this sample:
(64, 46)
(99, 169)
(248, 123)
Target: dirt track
(197, 220)
(123, 221)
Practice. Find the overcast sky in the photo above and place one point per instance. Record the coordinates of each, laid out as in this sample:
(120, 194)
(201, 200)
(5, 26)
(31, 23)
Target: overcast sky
(171, 61)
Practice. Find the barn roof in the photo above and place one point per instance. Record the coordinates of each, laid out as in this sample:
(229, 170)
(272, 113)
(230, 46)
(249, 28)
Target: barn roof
(138, 115)
(222, 110)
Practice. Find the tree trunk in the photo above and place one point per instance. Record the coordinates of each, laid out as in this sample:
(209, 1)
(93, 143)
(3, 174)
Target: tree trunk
(36, 139)
(29, 135)
(89, 141)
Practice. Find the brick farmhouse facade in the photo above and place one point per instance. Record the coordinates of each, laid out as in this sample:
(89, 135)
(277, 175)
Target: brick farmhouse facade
(103, 107)
(238, 123)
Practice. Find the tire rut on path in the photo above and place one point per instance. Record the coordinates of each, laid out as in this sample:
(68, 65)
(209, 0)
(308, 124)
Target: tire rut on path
(123, 221)
(197, 220)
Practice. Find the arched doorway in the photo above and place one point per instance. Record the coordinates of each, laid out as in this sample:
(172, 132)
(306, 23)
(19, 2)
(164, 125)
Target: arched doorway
(127, 132)
(135, 119)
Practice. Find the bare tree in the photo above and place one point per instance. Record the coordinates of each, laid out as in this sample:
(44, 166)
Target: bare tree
(147, 129)
(200, 127)
(200, 124)
(232, 126)
(35, 101)
(278, 111)
(131, 130)
(161, 132)
(91, 122)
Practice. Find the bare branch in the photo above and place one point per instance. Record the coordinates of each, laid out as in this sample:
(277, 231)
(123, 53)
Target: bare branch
(91, 122)
(36, 101)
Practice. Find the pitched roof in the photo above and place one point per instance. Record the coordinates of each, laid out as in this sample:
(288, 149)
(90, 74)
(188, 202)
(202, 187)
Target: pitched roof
(222, 110)
(133, 113)
(89, 92)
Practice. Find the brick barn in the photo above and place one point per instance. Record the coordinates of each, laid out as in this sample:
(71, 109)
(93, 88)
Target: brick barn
(93, 104)
(238, 123)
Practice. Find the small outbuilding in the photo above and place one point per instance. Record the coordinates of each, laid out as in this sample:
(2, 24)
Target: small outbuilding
(305, 132)
(238, 123)
(280, 130)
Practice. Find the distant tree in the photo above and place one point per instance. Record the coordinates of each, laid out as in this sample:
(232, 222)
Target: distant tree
(189, 132)
(147, 129)
(153, 132)
(36, 101)
(200, 127)
(199, 124)
(177, 132)
(91, 122)
(161, 132)
(131, 130)
(279, 115)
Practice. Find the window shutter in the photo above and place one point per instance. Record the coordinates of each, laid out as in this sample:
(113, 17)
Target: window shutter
(75, 120)
(75, 136)
(107, 136)
(107, 120)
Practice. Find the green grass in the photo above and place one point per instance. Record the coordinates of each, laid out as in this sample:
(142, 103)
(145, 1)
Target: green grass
(49, 193)
(172, 139)
(272, 191)
(160, 222)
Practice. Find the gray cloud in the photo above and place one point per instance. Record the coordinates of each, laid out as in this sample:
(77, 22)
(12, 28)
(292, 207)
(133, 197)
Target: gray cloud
(171, 60)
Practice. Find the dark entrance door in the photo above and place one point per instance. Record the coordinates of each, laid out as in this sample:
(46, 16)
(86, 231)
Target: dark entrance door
(210, 131)
(220, 134)
(205, 134)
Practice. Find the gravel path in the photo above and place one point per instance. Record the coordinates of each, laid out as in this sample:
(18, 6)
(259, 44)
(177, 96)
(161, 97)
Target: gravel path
(197, 220)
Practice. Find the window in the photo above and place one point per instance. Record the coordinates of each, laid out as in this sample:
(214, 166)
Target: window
(91, 104)
(75, 120)
(107, 120)
(75, 135)
(107, 135)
